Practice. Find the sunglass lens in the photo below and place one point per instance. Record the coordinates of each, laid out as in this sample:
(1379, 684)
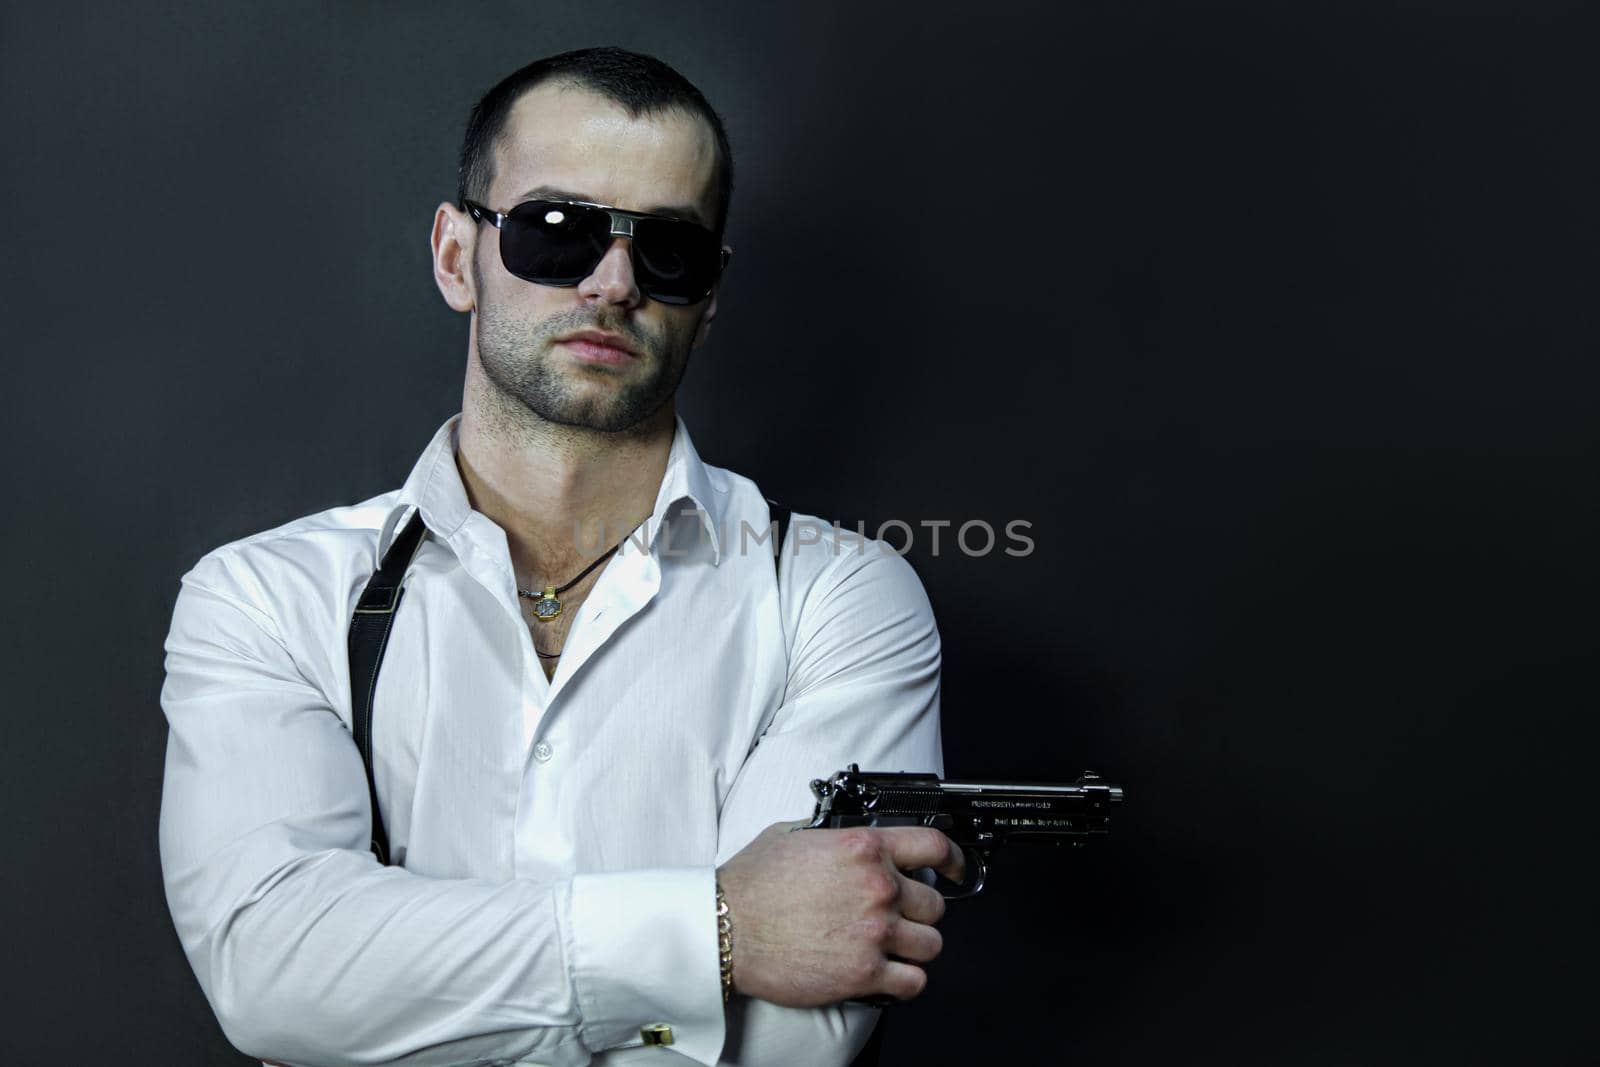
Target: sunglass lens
(676, 262)
(554, 244)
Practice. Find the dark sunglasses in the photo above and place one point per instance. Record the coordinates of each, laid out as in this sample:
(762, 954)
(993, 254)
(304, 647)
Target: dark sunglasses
(561, 242)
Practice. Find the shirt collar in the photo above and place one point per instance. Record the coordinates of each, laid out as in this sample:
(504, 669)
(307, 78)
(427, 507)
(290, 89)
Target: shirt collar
(434, 487)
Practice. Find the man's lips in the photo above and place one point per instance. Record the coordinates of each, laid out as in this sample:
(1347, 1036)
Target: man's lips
(599, 347)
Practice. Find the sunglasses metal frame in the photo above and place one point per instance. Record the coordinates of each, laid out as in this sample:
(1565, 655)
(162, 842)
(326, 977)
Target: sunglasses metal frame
(621, 226)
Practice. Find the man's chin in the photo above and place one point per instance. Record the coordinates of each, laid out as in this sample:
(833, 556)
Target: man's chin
(600, 418)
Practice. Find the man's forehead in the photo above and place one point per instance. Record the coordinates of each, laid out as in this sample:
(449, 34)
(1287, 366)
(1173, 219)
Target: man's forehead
(568, 137)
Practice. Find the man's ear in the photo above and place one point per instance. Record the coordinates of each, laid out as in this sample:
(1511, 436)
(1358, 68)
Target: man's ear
(455, 237)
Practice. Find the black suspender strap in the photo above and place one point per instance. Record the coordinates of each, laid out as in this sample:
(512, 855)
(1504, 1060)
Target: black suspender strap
(369, 638)
(780, 515)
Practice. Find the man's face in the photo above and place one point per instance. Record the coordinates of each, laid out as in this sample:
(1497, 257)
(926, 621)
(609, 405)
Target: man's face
(567, 143)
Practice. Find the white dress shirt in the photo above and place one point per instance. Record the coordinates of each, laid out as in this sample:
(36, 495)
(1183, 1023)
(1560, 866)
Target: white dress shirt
(555, 840)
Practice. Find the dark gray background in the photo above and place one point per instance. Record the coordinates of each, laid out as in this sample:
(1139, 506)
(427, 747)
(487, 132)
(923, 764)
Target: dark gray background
(1276, 320)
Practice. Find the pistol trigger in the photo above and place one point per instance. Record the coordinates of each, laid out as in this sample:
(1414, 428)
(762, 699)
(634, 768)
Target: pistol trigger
(977, 873)
(942, 821)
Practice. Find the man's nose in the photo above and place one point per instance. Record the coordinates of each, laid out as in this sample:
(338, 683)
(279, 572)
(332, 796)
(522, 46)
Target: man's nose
(612, 279)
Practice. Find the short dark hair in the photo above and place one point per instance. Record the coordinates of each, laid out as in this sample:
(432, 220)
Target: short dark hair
(640, 84)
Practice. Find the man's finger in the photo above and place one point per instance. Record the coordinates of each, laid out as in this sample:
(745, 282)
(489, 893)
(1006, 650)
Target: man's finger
(917, 846)
(901, 980)
(920, 902)
(914, 942)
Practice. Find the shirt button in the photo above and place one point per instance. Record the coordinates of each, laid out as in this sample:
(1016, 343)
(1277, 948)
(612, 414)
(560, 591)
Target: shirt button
(542, 752)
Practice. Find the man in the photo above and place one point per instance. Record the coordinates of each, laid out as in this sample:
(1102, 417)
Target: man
(563, 838)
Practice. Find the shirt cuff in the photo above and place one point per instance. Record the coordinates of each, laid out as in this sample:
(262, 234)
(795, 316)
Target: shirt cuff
(644, 951)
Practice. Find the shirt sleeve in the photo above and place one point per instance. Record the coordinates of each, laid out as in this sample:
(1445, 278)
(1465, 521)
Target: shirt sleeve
(863, 688)
(310, 952)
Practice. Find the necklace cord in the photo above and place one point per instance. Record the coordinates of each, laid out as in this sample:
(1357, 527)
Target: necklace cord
(531, 595)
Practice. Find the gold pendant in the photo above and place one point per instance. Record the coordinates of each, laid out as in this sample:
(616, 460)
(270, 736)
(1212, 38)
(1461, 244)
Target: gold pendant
(548, 606)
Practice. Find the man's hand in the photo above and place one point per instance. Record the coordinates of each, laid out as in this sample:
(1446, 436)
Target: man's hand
(826, 915)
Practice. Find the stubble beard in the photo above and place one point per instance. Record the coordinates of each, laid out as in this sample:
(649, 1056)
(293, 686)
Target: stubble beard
(520, 362)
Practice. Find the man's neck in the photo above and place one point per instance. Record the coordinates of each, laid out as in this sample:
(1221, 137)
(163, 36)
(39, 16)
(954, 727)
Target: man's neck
(562, 494)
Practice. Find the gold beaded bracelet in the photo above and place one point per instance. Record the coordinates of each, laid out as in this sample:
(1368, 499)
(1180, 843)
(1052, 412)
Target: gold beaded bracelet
(725, 944)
